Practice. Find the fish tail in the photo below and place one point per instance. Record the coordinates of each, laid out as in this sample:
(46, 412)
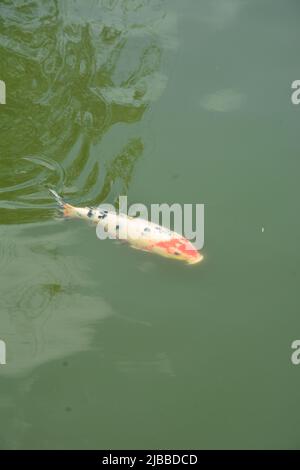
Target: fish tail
(56, 196)
(67, 209)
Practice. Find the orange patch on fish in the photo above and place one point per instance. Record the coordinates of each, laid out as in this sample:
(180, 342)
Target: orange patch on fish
(68, 210)
(178, 246)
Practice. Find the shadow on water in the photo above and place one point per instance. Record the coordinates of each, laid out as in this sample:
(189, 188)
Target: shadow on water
(76, 71)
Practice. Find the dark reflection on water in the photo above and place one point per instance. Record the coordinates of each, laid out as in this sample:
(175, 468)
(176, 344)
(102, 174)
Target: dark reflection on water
(73, 70)
(76, 71)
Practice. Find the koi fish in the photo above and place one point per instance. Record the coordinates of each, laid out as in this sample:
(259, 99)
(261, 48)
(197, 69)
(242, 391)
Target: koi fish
(139, 233)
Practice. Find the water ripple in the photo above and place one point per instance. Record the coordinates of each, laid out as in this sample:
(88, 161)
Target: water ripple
(74, 70)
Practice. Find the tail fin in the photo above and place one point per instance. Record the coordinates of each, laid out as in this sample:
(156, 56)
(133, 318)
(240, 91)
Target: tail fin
(67, 209)
(56, 196)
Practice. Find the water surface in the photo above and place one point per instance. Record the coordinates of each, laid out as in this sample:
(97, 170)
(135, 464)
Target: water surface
(164, 101)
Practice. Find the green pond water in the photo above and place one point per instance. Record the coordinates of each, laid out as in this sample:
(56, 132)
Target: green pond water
(185, 101)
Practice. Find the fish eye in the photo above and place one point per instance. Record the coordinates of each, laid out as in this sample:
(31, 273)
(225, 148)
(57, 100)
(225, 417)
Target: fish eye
(176, 253)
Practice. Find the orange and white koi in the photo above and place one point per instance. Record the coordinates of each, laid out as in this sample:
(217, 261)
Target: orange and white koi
(140, 233)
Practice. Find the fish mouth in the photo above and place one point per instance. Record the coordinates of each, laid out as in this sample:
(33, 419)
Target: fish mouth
(196, 260)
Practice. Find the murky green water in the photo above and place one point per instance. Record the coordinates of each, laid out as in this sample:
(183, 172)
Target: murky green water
(165, 101)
